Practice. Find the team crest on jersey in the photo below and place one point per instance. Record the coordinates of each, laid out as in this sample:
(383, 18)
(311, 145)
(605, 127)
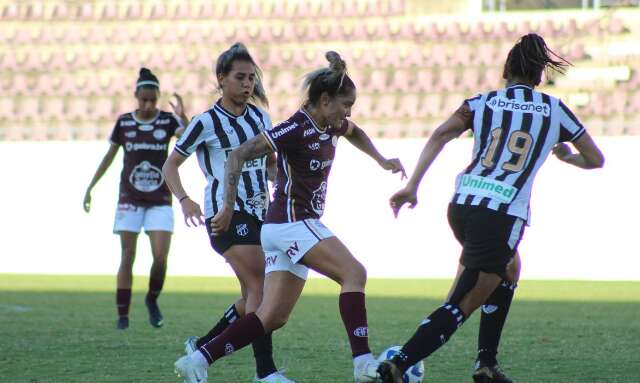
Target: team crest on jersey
(314, 146)
(146, 127)
(242, 229)
(159, 134)
(318, 198)
(146, 177)
(258, 201)
(131, 134)
(324, 136)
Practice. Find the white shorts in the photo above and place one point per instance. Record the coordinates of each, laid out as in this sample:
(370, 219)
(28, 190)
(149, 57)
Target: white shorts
(284, 244)
(133, 218)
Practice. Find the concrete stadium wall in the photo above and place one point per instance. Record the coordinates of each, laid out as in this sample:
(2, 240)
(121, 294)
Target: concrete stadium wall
(584, 225)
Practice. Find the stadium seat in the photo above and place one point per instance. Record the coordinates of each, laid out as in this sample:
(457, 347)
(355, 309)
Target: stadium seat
(103, 109)
(53, 108)
(431, 105)
(408, 105)
(28, 109)
(78, 109)
(7, 108)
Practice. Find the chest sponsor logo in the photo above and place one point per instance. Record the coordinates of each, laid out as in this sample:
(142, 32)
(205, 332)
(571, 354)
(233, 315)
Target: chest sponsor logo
(317, 165)
(242, 229)
(131, 134)
(308, 132)
(127, 123)
(146, 127)
(293, 250)
(159, 134)
(258, 201)
(487, 187)
(249, 165)
(318, 198)
(503, 103)
(281, 131)
(324, 136)
(135, 146)
(314, 146)
(145, 177)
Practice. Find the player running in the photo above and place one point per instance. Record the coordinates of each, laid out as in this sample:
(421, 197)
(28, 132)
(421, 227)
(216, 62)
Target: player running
(293, 237)
(212, 135)
(144, 199)
(514, 130)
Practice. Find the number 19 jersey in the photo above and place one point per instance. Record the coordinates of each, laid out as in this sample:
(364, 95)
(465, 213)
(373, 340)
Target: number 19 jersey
(514, 131)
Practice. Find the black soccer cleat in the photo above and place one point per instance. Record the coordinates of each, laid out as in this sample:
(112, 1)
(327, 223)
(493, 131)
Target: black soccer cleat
(389, 372)
(489, 373)
(155, 316)
(122, 323)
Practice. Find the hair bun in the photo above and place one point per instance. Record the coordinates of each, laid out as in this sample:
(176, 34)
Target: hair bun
(336, 63)
(145, 72)
(239, 46)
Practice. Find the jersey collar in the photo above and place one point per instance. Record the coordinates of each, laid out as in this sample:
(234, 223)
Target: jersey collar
(313, 123)
(222, 110)
(150, 122)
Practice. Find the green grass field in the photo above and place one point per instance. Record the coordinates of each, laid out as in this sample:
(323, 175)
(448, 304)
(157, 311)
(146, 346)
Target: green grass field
(62, 329)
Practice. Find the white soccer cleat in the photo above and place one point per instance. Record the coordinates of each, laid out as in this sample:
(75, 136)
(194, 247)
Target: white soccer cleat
(276, 377)
(190, 345)
(190, 371)
(366, 370)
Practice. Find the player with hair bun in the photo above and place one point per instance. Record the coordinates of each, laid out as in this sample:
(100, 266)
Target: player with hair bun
(144, 199)
(293, 237)
(514, 129)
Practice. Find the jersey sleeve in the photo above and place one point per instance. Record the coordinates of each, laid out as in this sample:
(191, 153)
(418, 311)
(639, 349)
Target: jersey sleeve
(570, 127)
(466, 111)
(193, 136)
(284, 135)
(474, 103)
(116, 137)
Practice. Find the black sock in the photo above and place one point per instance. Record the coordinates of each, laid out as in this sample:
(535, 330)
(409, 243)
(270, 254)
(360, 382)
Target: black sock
(230, 316)
(492, 319)
(155, 287)
(123, 301)
(434, 332)
(263, 352)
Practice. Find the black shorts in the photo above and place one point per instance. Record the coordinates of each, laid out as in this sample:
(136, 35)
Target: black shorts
(489, 238)
(244, 229)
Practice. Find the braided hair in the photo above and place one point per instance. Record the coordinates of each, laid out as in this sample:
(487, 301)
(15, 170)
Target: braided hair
(333, 80)
(529, 57)
(146, 79)
(239, 52)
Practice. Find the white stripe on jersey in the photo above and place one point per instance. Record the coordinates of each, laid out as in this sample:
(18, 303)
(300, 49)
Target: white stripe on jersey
(212, 135)
(514, 131)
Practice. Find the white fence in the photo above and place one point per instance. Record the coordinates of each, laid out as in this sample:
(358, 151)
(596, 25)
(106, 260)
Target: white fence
(584, 225)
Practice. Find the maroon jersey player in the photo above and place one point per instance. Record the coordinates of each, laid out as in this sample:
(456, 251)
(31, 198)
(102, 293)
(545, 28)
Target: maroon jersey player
(144, 199)
(293, 237)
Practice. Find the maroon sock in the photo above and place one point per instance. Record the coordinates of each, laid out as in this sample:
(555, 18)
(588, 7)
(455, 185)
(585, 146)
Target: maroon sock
(354, 316)
(155, 287)
(240, 334)
(123, 301)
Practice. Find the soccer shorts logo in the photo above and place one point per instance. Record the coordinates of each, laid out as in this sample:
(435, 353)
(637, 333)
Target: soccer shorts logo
(242, 229)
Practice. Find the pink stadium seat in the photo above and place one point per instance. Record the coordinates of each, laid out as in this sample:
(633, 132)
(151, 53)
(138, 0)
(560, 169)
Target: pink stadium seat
(616, 25)
(387, 106)
(60, 11)
(377, 81)
(134, 11)
(103, 109)
(28, 109)
(431, 105)
(462, 54)
(85, 12)
(408, 105)
(158, 11)
(7, 108)
(363, 107)
(425, 81)
(21, 84)
(403, 81)
(108, 11)
(548, 29)
(78, 109)
(53, 108)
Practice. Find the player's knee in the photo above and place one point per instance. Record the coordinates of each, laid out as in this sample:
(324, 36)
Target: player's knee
(128, 255)
(272, 319)
(355, 276)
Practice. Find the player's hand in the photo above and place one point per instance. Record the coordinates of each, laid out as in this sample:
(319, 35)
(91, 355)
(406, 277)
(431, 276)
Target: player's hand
(561, 151)
(178, 107)
(192, 213)
(395, 166)
(86, 204)
(220, 222)
(406, 195)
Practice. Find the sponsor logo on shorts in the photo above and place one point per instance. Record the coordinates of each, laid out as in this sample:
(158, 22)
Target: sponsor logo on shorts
(228, 349)
(159, 134)
(271, 260)
(487, 187)
(308, 132)
(242, 229)
(489, 309)
(503, 103)
(282, 131)
(131, 134)
(314, 146)
(361, 332)
(292, 250)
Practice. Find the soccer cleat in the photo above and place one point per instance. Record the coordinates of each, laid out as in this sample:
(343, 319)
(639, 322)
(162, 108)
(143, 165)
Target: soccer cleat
(122, 323)
(190, 345)
(190, 371)
(489, 373)
(276, 377)
(389, 372)
(366, 371)
(155, 316)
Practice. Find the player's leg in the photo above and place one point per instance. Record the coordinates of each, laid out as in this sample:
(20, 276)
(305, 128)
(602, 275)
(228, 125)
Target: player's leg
(160, 243)
(128, 241)
(230, 315)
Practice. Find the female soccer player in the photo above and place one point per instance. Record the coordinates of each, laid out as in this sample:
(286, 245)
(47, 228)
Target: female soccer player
(145, 200)
(293, 237)
(514, 131)
(212, 135)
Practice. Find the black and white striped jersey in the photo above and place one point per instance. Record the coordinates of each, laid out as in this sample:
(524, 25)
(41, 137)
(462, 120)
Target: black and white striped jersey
(514, 131)
(212, 135)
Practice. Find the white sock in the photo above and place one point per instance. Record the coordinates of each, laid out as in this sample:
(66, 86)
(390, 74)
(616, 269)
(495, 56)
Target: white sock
(358, 360)
(199, 359)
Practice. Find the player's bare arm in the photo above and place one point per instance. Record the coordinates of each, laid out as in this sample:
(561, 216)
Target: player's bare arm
(254, 148)
(589, 155)
(452, 128)
(107, 160)
(358, 138)
(272, 167)
(190, 209)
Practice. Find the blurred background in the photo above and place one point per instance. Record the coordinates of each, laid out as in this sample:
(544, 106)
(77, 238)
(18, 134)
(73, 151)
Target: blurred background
(68, 69)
